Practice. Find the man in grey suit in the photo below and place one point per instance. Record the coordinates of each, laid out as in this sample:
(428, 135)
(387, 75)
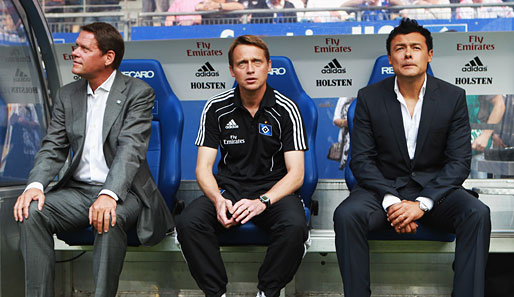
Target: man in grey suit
(105, 120)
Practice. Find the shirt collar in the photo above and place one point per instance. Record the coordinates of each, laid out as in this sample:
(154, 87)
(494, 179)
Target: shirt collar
(106, 85)
(268, 99)
(421, 92)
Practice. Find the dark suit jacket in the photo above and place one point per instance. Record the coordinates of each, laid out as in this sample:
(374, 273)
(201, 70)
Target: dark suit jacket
(126, 134)
(380, 160)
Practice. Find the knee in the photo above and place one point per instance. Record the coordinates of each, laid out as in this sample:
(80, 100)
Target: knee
(296, 229)
(346, 214)
(187, 221)
(481, 212)
(183, 222)
(35, 215)
(478, 214)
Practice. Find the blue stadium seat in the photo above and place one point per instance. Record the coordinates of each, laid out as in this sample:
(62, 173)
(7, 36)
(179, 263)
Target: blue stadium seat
(382, 69)
(283, 78)
(165, 141)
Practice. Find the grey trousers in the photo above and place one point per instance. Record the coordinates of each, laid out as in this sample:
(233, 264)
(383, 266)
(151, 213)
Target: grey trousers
(67, 209)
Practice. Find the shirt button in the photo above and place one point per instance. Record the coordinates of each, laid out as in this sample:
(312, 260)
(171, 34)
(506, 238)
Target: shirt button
(413, 174)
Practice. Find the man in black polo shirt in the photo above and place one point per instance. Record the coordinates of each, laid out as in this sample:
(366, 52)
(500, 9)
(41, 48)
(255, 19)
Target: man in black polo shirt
(262, 141)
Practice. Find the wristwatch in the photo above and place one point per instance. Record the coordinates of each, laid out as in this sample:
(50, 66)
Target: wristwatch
(265, 199)
(423, 206)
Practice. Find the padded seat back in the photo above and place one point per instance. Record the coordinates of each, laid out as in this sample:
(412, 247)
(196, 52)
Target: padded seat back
(381, 70)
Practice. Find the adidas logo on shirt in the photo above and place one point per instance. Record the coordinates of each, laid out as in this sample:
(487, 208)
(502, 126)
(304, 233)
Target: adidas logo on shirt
(474, 65)
(333, 67)
(231, 125)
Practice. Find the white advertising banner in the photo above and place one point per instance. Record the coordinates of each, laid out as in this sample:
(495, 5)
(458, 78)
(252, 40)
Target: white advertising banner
(327, 66)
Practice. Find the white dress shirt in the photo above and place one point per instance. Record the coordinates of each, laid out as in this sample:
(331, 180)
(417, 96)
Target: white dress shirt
(411, 127)
(92, 168)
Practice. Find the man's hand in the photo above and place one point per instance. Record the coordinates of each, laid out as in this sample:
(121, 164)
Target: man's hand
(222, 206)
(246, 209)
(403, 215)
(21, 208)
(101, 212)
(480, 143)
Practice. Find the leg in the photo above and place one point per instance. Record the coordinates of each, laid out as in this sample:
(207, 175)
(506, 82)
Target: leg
(110, 248)
(470, 220)
(64, 209)
(354, 218)
(196, 228)
(286, 222)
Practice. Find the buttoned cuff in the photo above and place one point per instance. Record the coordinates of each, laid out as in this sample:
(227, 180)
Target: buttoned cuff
(389, 199)
(35, 185)
(109, 193)
(429, 203)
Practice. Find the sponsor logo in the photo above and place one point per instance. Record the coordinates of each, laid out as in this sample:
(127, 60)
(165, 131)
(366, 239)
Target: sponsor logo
(203, 49)
(333, 67)
(139, 73)
(17, 56)
(233, 140)
(387, 70)
(335, 82)
(265, 129)
(332, 45)
(277, 71)
(231, 125)
(474, 65)
(24, 90)
(473, 80)
(207, 71)
(202, 85)
(20, 76)
(475, 43)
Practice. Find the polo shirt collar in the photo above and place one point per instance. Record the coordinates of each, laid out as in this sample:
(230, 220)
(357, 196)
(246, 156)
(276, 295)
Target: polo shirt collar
(267, 101)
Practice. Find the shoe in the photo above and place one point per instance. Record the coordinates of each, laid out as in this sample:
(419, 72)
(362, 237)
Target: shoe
(260, 294)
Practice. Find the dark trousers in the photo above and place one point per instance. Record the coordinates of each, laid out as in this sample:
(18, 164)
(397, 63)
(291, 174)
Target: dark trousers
(197, 230)
(67, 209)
(459, 213)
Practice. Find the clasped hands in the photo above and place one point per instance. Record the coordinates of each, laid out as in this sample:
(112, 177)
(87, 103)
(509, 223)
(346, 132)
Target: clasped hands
(403, 216)
(241, 212)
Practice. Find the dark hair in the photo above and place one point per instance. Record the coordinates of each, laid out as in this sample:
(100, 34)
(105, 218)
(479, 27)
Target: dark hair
(247, 40)
(108, 38)
(409, 26)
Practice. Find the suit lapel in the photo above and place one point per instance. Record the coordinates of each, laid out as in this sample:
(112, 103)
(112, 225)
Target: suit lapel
(115, 103)
(428, 111)
(394, 111)
(79, 115)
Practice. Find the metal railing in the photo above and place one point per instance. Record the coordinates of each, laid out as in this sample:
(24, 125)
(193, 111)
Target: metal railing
(123, 20)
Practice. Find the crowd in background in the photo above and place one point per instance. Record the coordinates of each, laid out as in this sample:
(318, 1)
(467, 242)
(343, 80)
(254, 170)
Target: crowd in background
(218, 10)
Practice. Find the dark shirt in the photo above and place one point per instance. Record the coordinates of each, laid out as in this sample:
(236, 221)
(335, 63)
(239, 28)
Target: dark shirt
(252, 148)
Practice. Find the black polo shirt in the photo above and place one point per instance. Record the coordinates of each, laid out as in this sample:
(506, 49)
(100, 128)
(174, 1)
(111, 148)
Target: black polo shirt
(252, 148)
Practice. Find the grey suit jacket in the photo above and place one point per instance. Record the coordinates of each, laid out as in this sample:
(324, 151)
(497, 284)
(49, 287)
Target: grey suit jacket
(126, 134)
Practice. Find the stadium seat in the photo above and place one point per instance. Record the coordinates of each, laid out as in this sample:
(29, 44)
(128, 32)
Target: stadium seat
(382, 69)
(283, 78)
(164, 149)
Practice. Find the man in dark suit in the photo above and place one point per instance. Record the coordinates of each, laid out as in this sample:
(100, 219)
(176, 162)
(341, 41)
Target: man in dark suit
(104, 119)
(410, 155)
